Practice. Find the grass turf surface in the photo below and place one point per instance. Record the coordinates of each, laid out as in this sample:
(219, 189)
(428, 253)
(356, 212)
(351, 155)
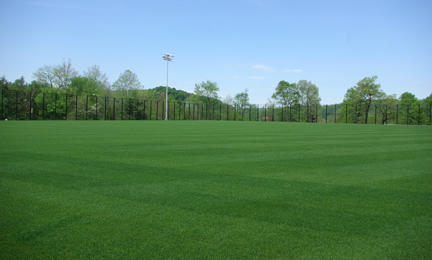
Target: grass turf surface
(214, 190)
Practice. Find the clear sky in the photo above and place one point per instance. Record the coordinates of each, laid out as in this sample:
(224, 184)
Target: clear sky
(239, 44)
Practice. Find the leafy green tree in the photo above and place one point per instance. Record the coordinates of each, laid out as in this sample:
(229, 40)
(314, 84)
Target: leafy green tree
(4, 87)
(207, 90)
(173, 94)
(412, 109)
(45, 75)
(126, 82)
(94, 73)
(242, 100)
(63, 74)
(59, 76)
(387, 108)
(428, 104)
(286, 94)
(52, 103)
(14, 99)
(19, 84)
(228, 100)
(428, 100)
(85, 86)
(309, 97)
(364, 93)
(4, 84)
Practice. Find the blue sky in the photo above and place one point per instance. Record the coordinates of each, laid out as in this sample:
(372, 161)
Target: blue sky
(237, 43)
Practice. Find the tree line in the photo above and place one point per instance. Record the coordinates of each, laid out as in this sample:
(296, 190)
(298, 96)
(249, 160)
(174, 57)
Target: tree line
(62, 79)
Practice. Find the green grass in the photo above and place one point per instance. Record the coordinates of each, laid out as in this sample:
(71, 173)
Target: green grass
(214, 190)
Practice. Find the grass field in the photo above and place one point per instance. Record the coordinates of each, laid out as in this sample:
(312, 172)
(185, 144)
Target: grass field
(214, 190)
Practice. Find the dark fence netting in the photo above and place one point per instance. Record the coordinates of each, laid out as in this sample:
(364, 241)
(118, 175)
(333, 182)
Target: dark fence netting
(17, 105)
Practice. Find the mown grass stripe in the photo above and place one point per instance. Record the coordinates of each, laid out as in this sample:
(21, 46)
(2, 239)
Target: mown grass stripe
(216, 190)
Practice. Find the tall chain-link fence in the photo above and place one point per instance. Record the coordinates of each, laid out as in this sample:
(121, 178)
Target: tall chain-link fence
(16, 105)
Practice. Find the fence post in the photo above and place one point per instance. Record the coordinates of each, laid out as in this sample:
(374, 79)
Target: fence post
(157, 109)
(55, 107)
(151, 101)
(43, 104)
(419, 115)
(335, 113)
(386, 111)
(122, 110)
(316, 114)
(30, 109)
(242, 112)
(144, 110)
(113, 118)
(163, 109)
(265, 113)
(96, 108)
(86, 105)
(375, 114)
(66, 105)
(105, 113)
(356, 115)
(397, 114)
(258, 113)
(282, 113)
(430, 114)
(346, 113)
(16, 106)
(76, 107)
(407, 114)
(273, 114)
(2, 105)
(326, 114)
(299, 113)
(289, 119)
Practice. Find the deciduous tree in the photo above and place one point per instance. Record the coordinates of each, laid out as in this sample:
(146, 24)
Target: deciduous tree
(286, 94)
(126, 82)
(242, 100)
(85, 86)
(228, 100)
(208, 90)
(387, 108)
(63, 74)
(45, 75)
(309, 96)
(365, 92)
(96, 75)
(412, 108)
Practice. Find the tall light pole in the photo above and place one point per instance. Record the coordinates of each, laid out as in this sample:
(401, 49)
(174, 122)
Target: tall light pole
(167, 57)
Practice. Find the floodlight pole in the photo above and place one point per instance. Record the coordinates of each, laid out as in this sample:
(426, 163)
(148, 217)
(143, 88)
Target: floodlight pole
(166, 96)
(168, 57)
